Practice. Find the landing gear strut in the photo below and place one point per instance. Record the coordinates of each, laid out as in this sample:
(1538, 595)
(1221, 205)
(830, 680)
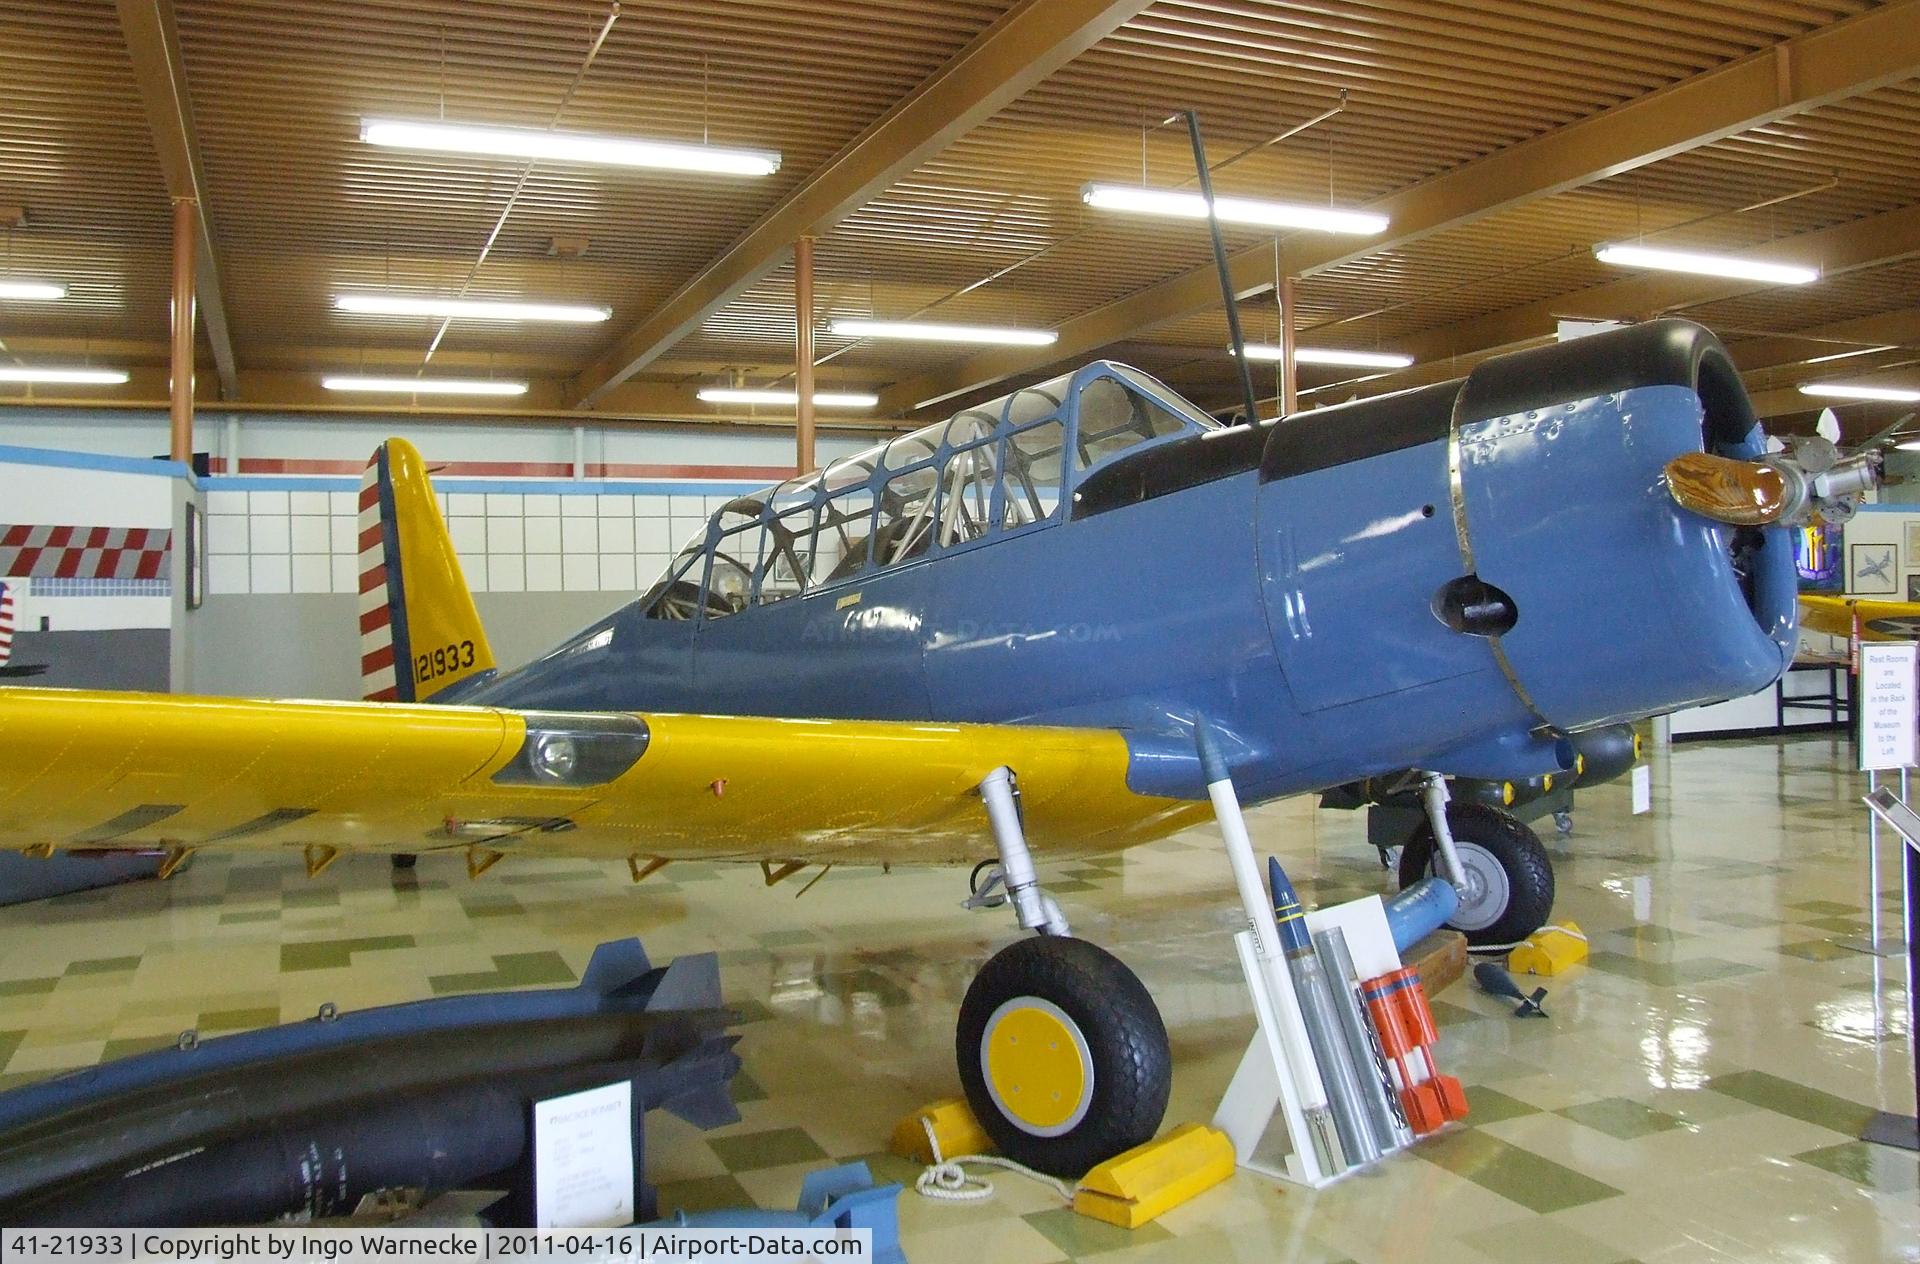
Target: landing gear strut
(1063, 1056)
(1502, 873)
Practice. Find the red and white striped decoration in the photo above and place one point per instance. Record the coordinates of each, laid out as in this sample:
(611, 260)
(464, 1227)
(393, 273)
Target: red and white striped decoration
(84, 552)
(6, 624)
(377, 680)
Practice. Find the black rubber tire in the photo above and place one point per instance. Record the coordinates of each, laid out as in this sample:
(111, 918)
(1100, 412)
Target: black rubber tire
(1132, 1061)
(1519, 852)
(404, 860)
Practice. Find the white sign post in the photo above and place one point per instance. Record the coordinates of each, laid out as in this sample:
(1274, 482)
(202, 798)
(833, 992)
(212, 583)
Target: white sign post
(583, 1159)
(1887, 716)
(1889, 733)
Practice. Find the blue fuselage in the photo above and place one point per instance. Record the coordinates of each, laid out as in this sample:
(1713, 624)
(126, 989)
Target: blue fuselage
(1448, 579)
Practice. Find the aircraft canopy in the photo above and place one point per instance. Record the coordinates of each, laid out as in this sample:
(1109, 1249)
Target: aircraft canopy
(987, 472)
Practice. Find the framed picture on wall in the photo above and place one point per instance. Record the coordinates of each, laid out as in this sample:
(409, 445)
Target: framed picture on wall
(1913, 586)
(1871, 570)
(1913, 545)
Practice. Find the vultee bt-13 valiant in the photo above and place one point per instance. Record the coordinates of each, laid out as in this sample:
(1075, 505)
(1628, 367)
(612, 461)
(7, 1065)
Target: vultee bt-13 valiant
(999, 636)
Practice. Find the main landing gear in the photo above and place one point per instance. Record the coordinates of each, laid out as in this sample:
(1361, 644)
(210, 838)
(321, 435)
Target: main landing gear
(1062, 1054)
(1502, 873)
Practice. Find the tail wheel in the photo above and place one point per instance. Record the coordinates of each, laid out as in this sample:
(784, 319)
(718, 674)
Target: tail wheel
(1508, 889)
(1062, 1054)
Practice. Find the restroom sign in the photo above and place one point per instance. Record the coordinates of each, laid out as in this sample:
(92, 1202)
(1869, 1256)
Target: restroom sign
(1887, 710)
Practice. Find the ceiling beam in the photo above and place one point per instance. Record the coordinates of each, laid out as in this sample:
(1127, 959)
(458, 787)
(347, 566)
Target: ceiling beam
(153, 43)
(1888, 329)
(1863, 243)
(1449, 351)
(1021, 49)
(1786, 400)
(1860, 54)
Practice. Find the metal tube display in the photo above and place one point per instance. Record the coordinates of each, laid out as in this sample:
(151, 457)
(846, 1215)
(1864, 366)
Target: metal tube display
(1376, 1098)
(1338, 1071)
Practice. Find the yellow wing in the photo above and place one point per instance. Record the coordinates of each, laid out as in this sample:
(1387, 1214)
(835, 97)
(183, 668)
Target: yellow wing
(1879, 620)
(119, 770)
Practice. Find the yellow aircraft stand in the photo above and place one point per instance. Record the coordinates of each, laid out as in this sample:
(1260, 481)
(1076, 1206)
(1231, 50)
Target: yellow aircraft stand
(1128, 1190)
(1549, 951)
(1149, 1180)
(955, 1131)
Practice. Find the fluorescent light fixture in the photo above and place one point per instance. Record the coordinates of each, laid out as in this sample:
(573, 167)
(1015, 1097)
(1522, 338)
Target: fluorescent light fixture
(65, 377)
(1841, 390)
(1139, 200)
(467, 308)
(1330, 355)
(924, 331)
(31, 290)
(425, 385)
(531, 142)
(821, 399)
(1730, 266)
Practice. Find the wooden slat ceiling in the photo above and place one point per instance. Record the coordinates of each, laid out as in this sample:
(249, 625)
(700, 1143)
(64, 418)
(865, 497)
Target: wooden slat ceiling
(301, 209)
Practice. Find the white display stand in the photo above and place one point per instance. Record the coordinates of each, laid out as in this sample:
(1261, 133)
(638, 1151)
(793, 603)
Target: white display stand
(1264, 1085)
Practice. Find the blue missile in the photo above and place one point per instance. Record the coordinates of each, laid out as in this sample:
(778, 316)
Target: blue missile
(1292, 919)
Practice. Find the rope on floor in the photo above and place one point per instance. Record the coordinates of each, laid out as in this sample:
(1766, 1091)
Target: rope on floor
(947, 1181)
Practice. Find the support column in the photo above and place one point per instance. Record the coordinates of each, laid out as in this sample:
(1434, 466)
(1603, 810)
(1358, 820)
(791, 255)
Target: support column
(1289, 371)
(804, 458)
(186, 237)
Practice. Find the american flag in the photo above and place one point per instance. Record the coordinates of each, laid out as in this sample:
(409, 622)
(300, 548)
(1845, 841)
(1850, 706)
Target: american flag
(6, 624)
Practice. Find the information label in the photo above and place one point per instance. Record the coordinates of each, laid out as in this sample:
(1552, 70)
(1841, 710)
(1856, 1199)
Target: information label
(1887, 709)
(583, 1158)
(1642, 789)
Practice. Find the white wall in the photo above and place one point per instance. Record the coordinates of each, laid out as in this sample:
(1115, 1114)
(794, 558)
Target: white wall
(1877, 527)
(34, 493)
(291, 535)
(543, 556)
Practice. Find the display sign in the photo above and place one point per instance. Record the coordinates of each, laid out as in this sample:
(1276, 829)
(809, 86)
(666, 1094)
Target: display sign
(1887, 710)
(1642, 789)
(583, 1159)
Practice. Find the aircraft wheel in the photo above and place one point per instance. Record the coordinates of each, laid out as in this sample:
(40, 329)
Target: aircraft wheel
(1508, 892)
(404, 860)
(1063, 1056)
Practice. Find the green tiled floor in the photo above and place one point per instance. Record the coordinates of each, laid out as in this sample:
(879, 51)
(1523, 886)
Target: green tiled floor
(1694, 1097)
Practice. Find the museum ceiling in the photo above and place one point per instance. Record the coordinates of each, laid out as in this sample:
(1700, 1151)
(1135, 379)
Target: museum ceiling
(938, 151)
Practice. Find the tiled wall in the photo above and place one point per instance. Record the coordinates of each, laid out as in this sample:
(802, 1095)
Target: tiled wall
(608, 537)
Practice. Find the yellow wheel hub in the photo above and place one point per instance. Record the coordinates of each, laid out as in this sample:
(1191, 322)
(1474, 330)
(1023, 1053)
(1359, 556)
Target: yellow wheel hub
(1037, 1065)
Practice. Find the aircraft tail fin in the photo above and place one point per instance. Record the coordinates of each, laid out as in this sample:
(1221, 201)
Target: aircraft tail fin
(419, 631)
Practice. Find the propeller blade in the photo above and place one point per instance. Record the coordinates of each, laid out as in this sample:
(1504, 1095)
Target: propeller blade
(1739, 493)
(1828, 427)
